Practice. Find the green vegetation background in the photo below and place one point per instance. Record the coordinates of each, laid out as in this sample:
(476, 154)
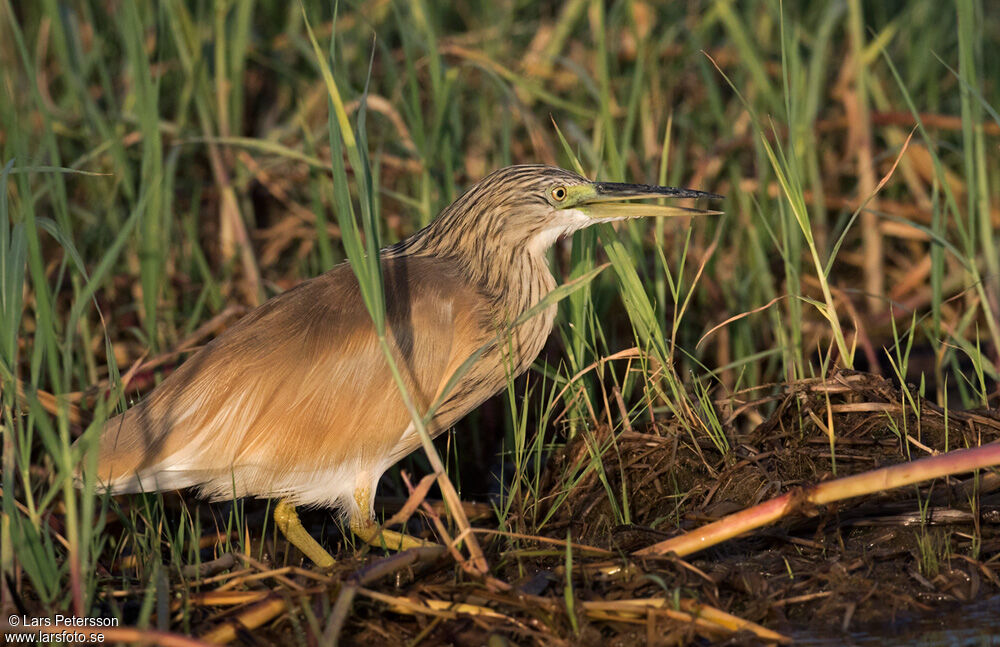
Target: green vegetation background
(167, 165)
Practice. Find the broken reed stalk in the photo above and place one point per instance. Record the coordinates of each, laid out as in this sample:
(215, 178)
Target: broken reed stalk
(706, 620)
(702, 616)
(886, 478)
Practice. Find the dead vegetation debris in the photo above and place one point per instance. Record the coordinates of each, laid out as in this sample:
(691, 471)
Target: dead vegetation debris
(873, 560)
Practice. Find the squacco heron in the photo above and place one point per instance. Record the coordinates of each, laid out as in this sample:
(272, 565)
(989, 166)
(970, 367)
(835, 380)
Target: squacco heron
(296, 401)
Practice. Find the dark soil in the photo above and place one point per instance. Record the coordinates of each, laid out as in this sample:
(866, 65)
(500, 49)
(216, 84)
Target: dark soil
(869, 560)
(862, 564)
(865, 564)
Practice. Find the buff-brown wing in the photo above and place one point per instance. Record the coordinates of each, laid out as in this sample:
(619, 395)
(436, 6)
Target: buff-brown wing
(297, 388)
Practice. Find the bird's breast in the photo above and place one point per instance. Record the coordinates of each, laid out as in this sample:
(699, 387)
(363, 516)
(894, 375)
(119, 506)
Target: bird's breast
(505, 350)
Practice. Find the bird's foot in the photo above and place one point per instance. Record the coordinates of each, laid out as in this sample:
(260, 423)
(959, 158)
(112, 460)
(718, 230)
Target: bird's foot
(291, 527)
(370, 532)
(365, 528)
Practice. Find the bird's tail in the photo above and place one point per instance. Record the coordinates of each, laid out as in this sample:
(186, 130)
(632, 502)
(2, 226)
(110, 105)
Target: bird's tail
(130, 459)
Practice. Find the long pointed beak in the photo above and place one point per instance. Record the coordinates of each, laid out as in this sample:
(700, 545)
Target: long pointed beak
(607, 201)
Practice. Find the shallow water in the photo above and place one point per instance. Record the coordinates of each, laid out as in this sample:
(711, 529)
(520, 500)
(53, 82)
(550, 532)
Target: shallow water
(971, 625)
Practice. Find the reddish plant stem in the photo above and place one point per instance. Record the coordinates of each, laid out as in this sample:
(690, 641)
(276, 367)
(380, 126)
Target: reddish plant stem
(886, 478)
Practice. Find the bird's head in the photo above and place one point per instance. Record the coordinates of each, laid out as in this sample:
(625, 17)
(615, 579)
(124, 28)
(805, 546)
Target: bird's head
(530, 206)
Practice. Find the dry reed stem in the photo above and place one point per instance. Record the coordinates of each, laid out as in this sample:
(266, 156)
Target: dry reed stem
(700, 615)
(417, 496)
(52, 404)
(233, 238)
(339, 614)
(253, 617)
(402, 604)
(223, 598)
(544, 540)
(206, 569)
(438, 608)
(859, 133)
(396, 562)
(231, 576)
(386, 566)
(930, 120)
(865, 483)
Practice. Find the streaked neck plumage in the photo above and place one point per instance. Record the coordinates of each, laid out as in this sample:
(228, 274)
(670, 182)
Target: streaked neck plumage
(497, 234)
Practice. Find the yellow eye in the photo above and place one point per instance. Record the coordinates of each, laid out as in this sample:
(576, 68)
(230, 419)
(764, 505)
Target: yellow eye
(559, 193)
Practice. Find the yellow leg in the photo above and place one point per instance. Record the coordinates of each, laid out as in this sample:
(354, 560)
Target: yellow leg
(288, 523)
(368, 531)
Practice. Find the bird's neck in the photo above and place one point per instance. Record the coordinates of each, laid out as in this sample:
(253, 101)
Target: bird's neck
(518, 283)
(514, 280)
(513, 277)
(515, 285)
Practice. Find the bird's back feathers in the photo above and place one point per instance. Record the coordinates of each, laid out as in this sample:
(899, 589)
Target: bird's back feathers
(299, 391)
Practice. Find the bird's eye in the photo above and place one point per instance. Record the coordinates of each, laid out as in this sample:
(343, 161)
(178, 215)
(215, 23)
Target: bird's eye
(559, 193)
